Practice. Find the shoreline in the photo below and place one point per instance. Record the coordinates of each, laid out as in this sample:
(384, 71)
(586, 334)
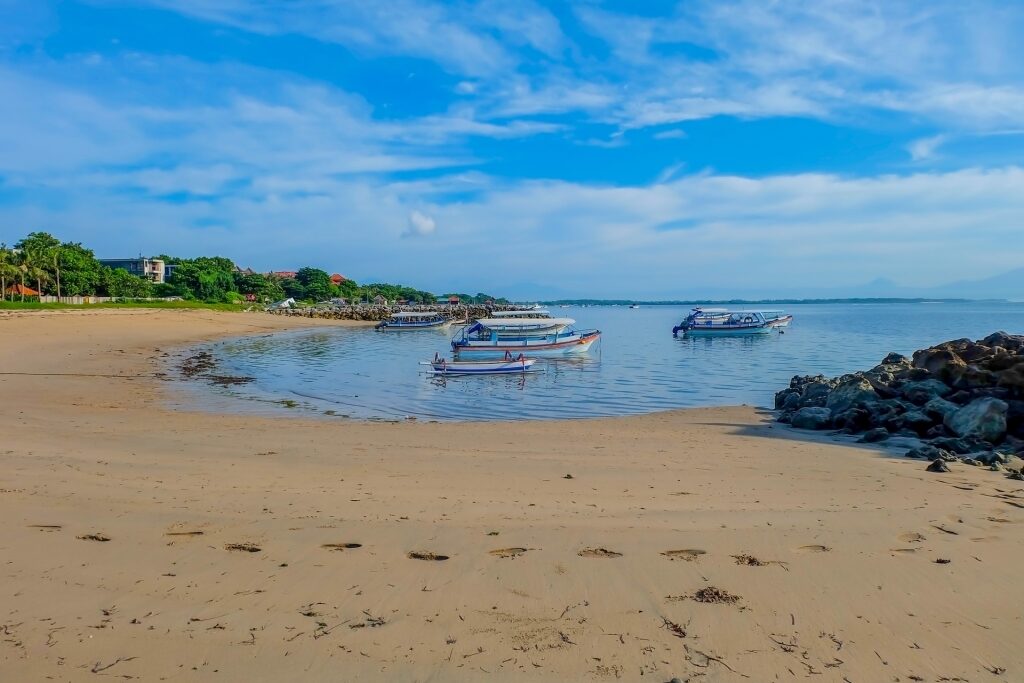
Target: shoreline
(598, 575)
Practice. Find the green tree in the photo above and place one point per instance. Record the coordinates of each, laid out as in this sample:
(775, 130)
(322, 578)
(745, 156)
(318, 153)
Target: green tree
(316, 284)
(122, 284)
(8, 270)
(41, 252)
(206, 278)
(260, 286)
(80, 272)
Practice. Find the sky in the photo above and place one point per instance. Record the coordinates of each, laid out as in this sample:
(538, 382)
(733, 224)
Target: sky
(527, 149)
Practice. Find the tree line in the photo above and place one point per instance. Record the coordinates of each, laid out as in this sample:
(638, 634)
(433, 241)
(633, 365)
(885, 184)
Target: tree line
(47, 265)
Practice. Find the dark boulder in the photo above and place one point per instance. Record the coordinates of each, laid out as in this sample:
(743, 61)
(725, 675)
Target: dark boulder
(813, 417)
(940, 362)
(853, 391)
(921, 392)
(937, 466)
(875, 435)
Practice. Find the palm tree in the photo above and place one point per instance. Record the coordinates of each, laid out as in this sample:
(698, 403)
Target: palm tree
(7, 270)
(55, 255)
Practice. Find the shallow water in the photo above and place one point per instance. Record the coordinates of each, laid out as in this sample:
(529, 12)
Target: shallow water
(637, 367)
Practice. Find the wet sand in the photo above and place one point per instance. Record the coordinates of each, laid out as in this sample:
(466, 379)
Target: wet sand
(709, 545)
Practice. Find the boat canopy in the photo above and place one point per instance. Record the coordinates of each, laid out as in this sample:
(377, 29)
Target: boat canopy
(524, 323)
(521, 314)
(414, 314)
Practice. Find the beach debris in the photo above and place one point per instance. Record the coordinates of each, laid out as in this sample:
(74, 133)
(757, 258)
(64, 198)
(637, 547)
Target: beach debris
(749, 560)
(508, 552)
(714, 595)
(94, 537)
(598, 552)
(814, 548)
(685, 554)
(184, 533)
(423, 555)
(568, 476)
(938, 465)
(942, 560)
(243, 547)
(673, 628)
(341, 546)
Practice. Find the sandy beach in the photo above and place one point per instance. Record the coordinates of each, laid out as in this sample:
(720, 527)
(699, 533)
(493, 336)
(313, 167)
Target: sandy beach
(143, 543)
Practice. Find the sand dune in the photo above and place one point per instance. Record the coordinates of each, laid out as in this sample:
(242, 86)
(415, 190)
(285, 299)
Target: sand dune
(144, 543)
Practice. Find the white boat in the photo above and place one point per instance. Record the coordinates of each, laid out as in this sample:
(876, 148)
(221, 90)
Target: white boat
(523, 313)
(508, 365)
(498, 336)
(777, 318)
(519, 327)
(720, 321)
(414, 320)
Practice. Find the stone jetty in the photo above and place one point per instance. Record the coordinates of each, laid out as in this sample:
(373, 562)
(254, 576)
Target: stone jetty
(962, 399)
(376, 312)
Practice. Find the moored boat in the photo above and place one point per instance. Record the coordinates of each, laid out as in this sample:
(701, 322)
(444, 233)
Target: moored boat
(720, 321)
(414, 320)
(508, 365)
(498, 336)
(777, 318)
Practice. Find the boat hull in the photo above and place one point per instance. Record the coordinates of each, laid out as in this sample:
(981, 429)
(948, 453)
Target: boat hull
(502, 367)
(533, 347)
(442, 325)
(784, 321)
(722, 331)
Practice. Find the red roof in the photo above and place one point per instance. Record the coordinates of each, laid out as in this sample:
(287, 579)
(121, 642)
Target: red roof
(338, 278)
(453, 299)
(19, 289)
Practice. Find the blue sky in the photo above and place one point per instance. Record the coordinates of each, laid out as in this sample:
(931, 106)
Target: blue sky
(615, 149)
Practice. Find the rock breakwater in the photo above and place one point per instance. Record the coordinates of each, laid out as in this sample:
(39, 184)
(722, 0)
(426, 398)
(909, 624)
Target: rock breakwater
(963, 399)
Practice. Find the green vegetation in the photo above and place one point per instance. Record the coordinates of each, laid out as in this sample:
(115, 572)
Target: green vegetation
(478, 298)
(36, 306)
(43, 263)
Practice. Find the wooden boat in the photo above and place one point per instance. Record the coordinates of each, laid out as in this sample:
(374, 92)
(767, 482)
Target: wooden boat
(508, 365)
(536, 337)
(414, 320)
(720, 321)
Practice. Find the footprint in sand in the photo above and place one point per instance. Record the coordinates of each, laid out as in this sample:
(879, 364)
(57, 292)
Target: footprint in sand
(815, 548)
(94, 537)
(243, 547)
(912, 537)
(419, 555)
(598, 552)
(341, 546)
(687, 554)
(508, 552)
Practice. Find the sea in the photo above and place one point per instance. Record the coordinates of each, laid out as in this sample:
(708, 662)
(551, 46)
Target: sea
(638, 366)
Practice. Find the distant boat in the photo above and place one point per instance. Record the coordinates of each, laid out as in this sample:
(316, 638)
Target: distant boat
(720, 321)
(414, 320)
(508, 365)
(634, 306)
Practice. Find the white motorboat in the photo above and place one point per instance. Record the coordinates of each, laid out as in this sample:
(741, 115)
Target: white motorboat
(414, 320)
(508, 365)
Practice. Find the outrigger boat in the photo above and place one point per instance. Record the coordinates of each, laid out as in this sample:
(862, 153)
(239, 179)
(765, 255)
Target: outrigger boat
(508, 365)
(534, 336)
(720, 321)
(414, 320)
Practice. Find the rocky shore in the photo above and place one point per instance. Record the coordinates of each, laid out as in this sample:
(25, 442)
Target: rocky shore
(963, 399)
(374, 312)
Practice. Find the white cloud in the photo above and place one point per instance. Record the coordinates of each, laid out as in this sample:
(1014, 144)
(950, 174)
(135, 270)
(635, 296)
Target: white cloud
(420, 225)
(925, 148)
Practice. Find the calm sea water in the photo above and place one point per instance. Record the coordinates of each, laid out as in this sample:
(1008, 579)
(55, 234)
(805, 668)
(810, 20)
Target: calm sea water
(637, 367)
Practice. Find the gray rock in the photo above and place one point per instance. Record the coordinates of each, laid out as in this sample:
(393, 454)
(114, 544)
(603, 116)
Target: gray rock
(814, 417)
(938, 465)
(875, 435)
(929, 452)
(984, 418)
(850, 393)
(791, 402)
(921, 392)
(917, 420)
(940, 408)
(942, 363)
